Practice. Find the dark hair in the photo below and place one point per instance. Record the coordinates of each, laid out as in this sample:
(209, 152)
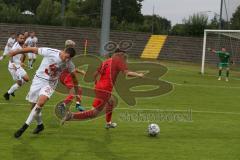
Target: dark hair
(18, 34)
(70, 51)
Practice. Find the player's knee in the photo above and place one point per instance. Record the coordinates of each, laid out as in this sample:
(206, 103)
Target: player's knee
(26, 78)
(98, 109)
(42, 100)
(112, 101)
(19, 82)
(96, 113)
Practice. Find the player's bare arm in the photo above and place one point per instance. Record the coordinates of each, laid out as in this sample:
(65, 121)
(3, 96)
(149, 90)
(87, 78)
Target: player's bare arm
(82, 72)
(212, 50)
(23, 51)
(23, 60)
(133, 74)
(95, 76)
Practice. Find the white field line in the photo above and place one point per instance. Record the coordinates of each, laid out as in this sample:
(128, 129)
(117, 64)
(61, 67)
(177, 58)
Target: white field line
(200, 85)
(145, 109)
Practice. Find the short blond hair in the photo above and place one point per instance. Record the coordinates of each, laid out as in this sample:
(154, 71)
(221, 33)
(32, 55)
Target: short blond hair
(69, 43)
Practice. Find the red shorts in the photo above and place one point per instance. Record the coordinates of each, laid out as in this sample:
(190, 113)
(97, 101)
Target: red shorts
(68, 82)
(102, 94)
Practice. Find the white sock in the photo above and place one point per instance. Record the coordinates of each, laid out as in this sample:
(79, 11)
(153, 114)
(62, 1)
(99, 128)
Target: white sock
(29, 63)
(39, 118)
(13, 88)
(34, 113)
(23, 82)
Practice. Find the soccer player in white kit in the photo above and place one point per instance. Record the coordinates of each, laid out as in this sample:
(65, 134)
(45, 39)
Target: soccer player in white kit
(31, 41)
(9, 45)
(15, 64)
(45, 81)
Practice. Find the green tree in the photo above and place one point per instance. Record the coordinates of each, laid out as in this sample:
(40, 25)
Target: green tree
(195, 24)
(23, 5)
(214, 24)
(156, 23)
(235, 20)
(48, 11)
(9, 14)
(127, 10)
(178, 29)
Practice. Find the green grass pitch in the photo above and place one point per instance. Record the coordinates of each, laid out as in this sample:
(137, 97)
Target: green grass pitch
(212, 134)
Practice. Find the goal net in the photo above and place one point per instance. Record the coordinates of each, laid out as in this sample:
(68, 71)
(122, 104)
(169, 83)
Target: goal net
(218, 39)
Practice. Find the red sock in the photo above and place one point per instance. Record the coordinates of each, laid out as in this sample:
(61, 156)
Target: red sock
(109, 109)
(85, 114)
(69, 99)
(80, 95)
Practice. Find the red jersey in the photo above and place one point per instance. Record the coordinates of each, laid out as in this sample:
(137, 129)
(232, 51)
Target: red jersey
(109, 71)
(66, 78)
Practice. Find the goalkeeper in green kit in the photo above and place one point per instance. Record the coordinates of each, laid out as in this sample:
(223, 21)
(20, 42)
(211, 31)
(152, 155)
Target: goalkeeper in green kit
(224, 58)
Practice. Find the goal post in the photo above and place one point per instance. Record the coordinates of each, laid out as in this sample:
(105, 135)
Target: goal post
(216, 39)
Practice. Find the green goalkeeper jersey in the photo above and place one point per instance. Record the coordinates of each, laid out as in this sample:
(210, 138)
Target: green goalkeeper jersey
(223, 56)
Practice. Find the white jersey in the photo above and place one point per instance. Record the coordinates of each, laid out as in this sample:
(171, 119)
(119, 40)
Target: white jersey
(52, 65)
(9, 45)
(10, 42)
(15, 60)
(31, 41)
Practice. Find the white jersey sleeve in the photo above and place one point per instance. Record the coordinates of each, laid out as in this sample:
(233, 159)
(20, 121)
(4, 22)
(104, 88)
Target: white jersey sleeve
(35, 40)
(16, 60)
(27, 41)
(10, 42)
(71, 67)
(47, 52)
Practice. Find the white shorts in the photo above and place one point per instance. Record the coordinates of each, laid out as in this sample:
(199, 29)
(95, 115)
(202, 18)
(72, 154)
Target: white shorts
(17, 74)
(31, 56)
(40, 87)
(6, 51)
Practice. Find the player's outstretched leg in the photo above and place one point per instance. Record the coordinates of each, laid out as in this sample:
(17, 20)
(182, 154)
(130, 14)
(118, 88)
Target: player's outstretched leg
(36, 110)
(33, 61)
(220, 73)
(227, 74)
(16, 86)
(71, 96)
(20, 131)
(109, 108)
(40, 126)
(85, 115)
(111, 125)
(34, 114)
(38, 129)
(11, 91)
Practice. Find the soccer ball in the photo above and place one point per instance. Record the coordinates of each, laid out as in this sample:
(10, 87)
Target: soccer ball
(153, 130)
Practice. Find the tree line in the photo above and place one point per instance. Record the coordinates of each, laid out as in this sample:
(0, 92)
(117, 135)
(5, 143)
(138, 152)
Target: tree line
(126, 16)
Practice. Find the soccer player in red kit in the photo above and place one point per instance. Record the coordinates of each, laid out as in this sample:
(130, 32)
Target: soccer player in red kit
(108, 72)
(66, 79)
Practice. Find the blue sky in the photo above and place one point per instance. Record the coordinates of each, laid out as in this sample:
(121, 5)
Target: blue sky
(176, 10)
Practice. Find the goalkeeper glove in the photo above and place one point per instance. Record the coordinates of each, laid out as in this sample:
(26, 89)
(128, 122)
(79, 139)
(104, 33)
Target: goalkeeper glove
(209, 49)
